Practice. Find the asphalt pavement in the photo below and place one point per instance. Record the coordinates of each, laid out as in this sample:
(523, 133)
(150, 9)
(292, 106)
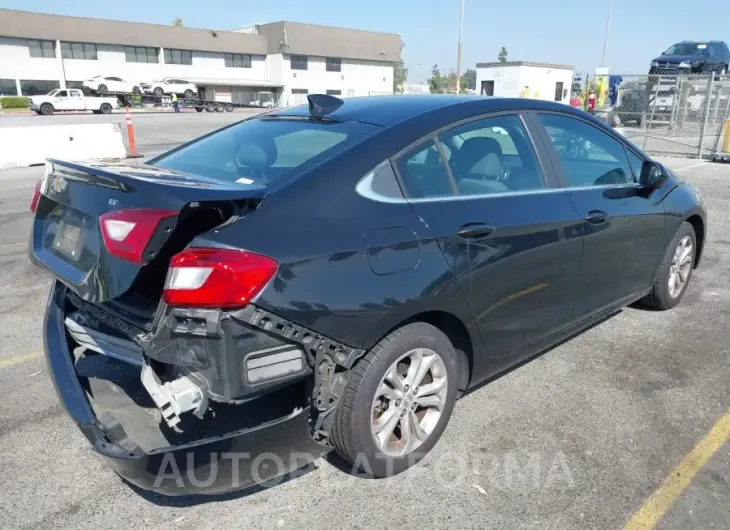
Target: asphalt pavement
(579, 437)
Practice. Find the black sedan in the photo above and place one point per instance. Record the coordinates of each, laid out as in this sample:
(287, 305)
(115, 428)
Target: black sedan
(336, 275)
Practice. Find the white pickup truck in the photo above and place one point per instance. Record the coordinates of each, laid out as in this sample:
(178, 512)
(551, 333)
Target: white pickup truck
(60, 100)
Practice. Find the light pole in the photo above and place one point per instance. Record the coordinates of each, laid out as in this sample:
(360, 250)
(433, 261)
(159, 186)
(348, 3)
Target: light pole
(458, 57)
(605, 40)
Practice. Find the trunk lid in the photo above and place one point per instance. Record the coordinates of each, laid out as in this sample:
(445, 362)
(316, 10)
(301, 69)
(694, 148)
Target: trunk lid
(68, 240)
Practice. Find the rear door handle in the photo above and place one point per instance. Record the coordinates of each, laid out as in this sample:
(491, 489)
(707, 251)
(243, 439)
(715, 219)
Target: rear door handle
(475, 230)
(596, 217)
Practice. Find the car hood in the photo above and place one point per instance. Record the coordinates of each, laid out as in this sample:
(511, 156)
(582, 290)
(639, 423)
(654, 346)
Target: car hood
(676, 59)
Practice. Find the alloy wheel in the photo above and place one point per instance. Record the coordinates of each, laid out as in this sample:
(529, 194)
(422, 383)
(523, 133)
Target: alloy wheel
(409, 402)
(681, 266)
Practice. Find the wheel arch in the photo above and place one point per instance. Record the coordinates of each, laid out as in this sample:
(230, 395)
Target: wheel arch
(699, 227)
(457, 333)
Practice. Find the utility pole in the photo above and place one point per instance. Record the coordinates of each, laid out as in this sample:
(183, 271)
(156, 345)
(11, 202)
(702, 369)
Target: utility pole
(605, 40)
(458, 57)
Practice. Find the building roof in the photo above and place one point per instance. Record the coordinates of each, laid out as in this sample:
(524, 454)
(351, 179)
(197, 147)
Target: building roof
(279, 37)
(524, 63)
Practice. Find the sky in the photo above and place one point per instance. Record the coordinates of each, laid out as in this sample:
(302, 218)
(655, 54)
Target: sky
(559, 31)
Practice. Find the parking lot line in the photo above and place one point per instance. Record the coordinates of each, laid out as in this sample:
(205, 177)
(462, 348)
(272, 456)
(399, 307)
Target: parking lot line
(681, 476)
(20, 359)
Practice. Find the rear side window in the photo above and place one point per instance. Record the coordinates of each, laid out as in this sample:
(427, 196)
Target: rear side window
(424, 173)
(265, 151)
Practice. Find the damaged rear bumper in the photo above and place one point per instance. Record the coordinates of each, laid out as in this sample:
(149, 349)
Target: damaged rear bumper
(266, 439)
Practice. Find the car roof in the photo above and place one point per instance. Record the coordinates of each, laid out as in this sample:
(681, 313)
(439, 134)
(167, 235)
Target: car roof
(393, 109)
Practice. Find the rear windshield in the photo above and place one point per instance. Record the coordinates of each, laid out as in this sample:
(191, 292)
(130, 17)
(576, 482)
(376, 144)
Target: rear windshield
(265, 151)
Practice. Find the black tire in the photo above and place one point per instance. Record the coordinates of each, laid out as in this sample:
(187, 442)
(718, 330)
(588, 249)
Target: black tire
(659, 297)
(102, 89)
(229, 108)
(158, 92)
(47, 109)
(219, 108)
(199, 109)
(210, 107)
(351, 431)
(105, 108)
(189, 94)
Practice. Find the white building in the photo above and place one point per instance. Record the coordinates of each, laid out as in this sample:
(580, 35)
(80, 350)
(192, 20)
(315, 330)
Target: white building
(40, 52)
(551, 82)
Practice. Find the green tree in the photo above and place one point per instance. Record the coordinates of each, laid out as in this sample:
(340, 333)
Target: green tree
(178, 23)
(502, 57)
(436, 82)
(400, 73)
(468, 80)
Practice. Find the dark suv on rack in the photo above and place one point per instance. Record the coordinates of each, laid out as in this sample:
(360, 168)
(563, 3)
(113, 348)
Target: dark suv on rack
(693, 57)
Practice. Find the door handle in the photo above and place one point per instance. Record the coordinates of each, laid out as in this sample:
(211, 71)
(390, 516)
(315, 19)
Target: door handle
(475, 230)
(596, 217)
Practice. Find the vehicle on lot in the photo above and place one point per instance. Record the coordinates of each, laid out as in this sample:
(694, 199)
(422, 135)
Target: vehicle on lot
(60, 100)
(262, 305)
(693, 57)
(111, 84)
(168, 86)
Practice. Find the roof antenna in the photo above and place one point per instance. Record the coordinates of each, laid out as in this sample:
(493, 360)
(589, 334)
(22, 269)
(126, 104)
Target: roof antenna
(322, 104)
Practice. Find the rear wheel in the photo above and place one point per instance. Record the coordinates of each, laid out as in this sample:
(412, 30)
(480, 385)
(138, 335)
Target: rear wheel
(189, 94)
(158, 92)
(47, 109)
(102, 89)
(219, 108)
(675, 271)
(209, 107)
(105, 108)
(229, 108)
(397, 401)
(199, 109)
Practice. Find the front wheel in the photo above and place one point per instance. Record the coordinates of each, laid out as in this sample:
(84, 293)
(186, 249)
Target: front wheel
(102, 89)
(397, 401)
(158, 92)
(189, 94)
(675, 271)
(46, 109)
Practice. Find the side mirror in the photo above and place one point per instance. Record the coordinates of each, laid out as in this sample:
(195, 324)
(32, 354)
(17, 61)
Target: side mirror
(652, 175)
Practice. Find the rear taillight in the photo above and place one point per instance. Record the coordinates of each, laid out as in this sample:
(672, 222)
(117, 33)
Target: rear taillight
(36, 196)
(127, 233)
(214, 277)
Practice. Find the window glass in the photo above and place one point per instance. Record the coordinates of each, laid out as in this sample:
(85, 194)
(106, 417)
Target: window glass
(333, 64)
(266, 150)
(380, 184)
(493, 155)
(62, 94)
(636, 163)
(8, 87)
(298, 62)
(334, 92)
(589, 156)
(36, 87)
(424, 173)
(42, 48)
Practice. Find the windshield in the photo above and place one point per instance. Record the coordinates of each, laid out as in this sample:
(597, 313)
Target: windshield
(266, 150)
(687, 48)
(52, 92)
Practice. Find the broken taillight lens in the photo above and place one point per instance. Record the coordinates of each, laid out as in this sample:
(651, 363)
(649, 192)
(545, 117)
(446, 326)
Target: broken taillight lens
(36, 196)
(127, 233)
(216, 278)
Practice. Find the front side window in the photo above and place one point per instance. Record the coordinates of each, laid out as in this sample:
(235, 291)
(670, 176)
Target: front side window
(589, 156)
(265, 151)
(298, 62)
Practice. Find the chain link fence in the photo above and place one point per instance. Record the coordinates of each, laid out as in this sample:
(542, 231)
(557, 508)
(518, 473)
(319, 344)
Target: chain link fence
(666, 115)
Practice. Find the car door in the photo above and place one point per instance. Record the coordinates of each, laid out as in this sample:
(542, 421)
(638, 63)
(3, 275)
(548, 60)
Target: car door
(510, 236)
(624, 229)
(62, 101)
(76, 100)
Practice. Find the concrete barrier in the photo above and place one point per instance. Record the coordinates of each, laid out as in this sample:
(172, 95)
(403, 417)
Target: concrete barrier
(27, 146)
